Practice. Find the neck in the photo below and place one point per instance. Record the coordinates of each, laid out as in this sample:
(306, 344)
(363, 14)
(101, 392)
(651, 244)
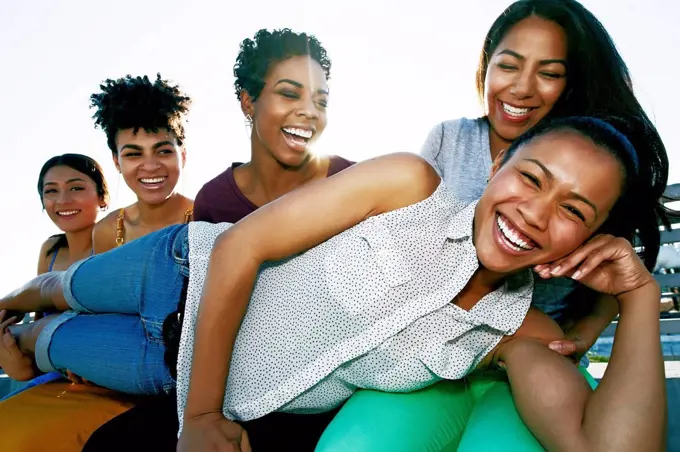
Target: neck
(480, 284)
(496, 143)
(79, 242)
(486, 281)
(273, 180)
(155, 215)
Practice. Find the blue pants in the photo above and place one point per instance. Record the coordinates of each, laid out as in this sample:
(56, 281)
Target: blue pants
(113, 334)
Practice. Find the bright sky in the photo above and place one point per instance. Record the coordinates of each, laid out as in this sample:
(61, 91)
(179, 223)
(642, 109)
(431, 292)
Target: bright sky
(399, 68)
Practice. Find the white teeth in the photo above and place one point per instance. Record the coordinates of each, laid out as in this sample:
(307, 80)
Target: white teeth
(152, 180)
(515, 111)
(302, 133)
(67, 213)
(512, 236)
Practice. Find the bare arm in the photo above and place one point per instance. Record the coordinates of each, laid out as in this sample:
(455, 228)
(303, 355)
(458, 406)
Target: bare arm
(294, 223)
(627, 411)
(589, 328)
(582, 334)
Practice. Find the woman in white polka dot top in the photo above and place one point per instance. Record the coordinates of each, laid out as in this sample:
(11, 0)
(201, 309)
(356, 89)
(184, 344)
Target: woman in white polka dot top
(377, 277)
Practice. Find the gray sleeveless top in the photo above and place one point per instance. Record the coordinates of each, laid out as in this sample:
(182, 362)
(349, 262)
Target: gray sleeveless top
(368, 308)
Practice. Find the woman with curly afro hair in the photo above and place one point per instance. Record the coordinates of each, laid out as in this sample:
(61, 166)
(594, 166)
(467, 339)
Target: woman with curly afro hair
(143, 123)
(281, 83)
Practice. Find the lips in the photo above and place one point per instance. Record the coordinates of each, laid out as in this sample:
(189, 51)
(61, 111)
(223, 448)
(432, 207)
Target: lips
(67, 213)
(513, 237)
(297, 138)
(152, 182)
(299, 132)
(514, 113)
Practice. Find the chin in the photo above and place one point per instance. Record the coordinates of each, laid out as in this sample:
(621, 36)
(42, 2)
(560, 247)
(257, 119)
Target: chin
(160, 198)
(494, 262)
(294, 160)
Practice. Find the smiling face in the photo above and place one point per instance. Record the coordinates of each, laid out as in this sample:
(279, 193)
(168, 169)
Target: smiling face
(70, 199)
(149, 162)
(545, 201)
(525, 78)
(290, 113)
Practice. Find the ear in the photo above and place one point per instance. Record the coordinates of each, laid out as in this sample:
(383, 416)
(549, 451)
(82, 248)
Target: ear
(497, 163)
(247, 103)
(183, 153)
(116, 162)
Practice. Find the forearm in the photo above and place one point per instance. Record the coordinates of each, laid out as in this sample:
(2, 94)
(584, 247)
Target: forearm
(632, 390)
(626, 411)
(226, 293)
(42, 293)
(589, 328)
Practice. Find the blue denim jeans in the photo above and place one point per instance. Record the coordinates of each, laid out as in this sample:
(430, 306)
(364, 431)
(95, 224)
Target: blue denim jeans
(113, 336)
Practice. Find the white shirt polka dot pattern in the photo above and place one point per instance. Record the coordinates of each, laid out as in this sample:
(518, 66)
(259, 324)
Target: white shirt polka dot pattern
(368, 308)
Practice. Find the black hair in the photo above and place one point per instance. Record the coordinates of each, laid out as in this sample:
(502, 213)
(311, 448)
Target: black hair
(629, 218)
(598, 85)
(257, 56)
(138, 103)
(82, 164)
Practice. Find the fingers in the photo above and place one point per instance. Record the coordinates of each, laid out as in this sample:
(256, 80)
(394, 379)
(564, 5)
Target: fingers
(10, 342)
(567, 265)
(7, 322)
(245, 442)
(565, 348)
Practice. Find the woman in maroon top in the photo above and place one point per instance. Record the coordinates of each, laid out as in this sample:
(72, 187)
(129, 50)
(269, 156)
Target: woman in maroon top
(281, 83)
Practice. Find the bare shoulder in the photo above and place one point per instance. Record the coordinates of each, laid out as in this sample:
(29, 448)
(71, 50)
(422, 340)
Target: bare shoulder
(43, 261)
(408, 177)
(104, 233)
(47, 244)
(188, 207)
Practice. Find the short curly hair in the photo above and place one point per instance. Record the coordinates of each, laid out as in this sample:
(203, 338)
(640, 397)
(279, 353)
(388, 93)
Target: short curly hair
(137, 103)
(267, 48)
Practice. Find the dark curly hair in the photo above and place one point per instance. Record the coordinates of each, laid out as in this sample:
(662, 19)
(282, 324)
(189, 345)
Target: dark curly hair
(267, 48)
(137, 103)
(598, 85)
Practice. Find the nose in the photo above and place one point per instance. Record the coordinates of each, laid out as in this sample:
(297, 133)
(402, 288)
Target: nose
(524, 85)
(150, 163)
(307, 108)
(64, 197)
(535, 212)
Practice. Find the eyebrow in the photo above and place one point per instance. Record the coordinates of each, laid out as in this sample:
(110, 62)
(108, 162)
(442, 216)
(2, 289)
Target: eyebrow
(77, 179)
(542, 62)
(299, 85)
(550, 176)
(137, 147)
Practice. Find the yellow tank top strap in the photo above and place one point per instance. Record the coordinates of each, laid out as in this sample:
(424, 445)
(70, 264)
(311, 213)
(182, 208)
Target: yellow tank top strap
(120, 227)
(188, 215)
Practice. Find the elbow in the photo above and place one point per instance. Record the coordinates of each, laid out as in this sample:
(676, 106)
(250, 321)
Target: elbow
(234, 244)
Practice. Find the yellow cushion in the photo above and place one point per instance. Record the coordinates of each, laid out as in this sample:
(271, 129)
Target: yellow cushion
(57, 416)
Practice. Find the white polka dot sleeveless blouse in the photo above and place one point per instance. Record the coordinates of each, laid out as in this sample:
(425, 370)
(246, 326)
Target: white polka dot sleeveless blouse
(368, 308)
